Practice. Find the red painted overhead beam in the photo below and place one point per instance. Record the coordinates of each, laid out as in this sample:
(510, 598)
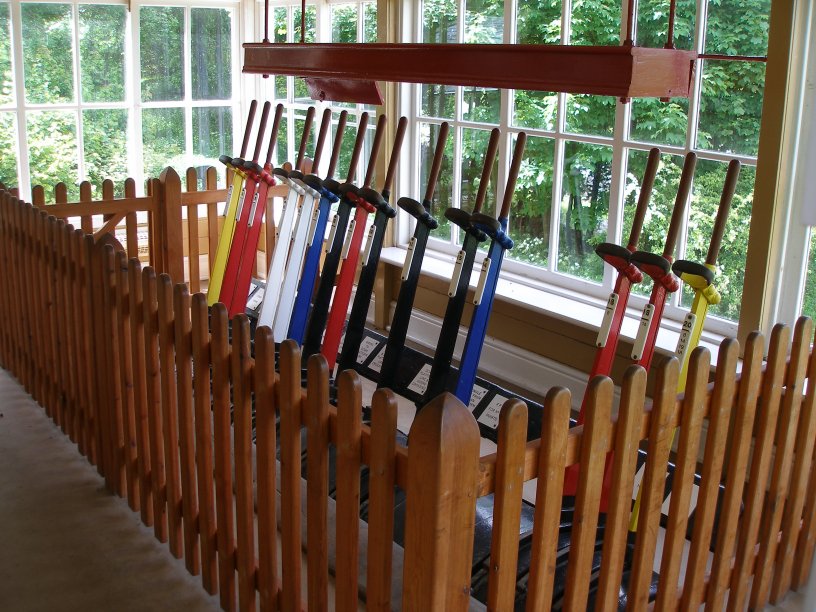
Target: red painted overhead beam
(621, 71)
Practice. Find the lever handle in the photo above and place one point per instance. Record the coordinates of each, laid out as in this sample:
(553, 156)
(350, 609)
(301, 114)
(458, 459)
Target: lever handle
(382, 120)
(729, 188)
(338, 141)
(512, 175)
(395, 153)
(273, 137)
(358, 146)
(680, 204)
(643, 198)
(487, 168)
(325, 122)
(304, 138)
(253, 106)
(436, 165)
(261, 129)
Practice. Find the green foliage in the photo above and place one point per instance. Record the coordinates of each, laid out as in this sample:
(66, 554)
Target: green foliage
(161, 32)
(104, 138)
(102, 52)
(344, 23)
(47, 52)
(6, 76)
(52, 150)
(211, 53)
(8, 142)
(370, 22)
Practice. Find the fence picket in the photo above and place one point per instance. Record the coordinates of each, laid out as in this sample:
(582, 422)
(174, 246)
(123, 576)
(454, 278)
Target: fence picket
(382, 476)
(204, 441)
(186, 440)
(140, 420)
(624, 462)
(242, 406)
(740, 447)
(802, 465)
(774, 503)
(290, 419)
(691, 422)
(224, 499)
(316, 408)
(595, 444)
(765, 428)
(158, 477)
(266, 447)
(512, 438)
(123, 317)
(660, 438)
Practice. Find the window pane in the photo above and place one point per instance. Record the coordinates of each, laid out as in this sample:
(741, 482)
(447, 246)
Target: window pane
(6, 76)
(584, 208)
(162, 53)
(481, 104)
(211, 39)
(731, 106)
(281, 155)
(370, 22)
(443, 196)
(163, 140)
(532, 204)
(535, 109)
(310, 141)
(658, 213)
(104, 135)
(52, 151)
(8, 144)
(346, 148)
(659, 122)
(708, 184)
(484, 21)
(474, 146)
(344, 23)
(440, 21)
(538, 22)
(738, 27)
(809, 299)
(47, 57)
(212, 135)
(653, 23)
(301, 91)
(279, 36)
(102, 52)
(596, 22)
(438, 101)
(593, 115)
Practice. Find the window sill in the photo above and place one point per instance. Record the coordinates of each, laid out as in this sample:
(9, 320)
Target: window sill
(562, 305)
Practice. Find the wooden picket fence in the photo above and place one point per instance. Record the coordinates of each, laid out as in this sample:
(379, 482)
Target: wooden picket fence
(165, 228)
(160, 393)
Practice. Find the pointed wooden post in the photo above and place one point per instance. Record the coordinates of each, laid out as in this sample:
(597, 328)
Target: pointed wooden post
(443, 464)
(171, 239)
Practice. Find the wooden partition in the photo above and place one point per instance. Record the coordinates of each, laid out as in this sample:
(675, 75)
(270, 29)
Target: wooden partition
(164, 395)
(166, 228)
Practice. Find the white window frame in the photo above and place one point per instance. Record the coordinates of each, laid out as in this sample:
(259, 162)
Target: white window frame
(548, 279)
(132, 102)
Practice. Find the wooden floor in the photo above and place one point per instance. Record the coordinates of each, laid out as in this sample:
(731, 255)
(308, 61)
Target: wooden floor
(68, 544)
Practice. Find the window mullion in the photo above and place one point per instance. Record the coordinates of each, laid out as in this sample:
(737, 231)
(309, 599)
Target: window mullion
(134, 93)
(78, 96)
(23, 171)
(188, 82)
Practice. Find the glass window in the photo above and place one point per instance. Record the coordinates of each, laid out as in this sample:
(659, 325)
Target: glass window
(585, 157)
(48, 52)
(102, 52)
(211, 37)
(8, 144)
(52, 150)
(161, 35)
(6, 74)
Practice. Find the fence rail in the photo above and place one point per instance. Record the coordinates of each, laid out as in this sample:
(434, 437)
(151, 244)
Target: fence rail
(165, 228)
(164, 394)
